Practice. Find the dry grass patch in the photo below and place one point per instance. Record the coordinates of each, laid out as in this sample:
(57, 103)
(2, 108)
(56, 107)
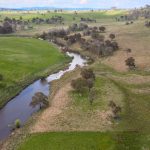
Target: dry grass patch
(135, 37)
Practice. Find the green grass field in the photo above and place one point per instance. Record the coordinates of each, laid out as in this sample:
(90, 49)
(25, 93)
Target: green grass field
(67, 15)
(86, 141)
(23, 60)
(69, 141)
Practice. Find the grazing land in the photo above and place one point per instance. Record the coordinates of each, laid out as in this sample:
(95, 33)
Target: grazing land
(84, 141)
(23, 60)
(113, 114)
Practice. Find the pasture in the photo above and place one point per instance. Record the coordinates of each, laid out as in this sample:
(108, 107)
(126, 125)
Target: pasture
(81, 126)
(23, 60)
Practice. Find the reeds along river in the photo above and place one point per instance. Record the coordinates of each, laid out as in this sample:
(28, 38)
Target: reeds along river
(19, 107)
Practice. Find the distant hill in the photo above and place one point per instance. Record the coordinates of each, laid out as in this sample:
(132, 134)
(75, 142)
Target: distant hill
(45, 8)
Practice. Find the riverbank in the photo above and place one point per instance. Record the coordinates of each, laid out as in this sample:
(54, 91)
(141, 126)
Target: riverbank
(57, 86)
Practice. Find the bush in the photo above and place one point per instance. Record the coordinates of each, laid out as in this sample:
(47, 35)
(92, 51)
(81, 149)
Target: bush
(115, 109)
(95, 35)
(17, 123)
(79, 84)
(87, 74)
(112, 36)
(130, 62)
(92, 95)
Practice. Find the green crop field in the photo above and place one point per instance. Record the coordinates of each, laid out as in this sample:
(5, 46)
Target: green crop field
(22, 60)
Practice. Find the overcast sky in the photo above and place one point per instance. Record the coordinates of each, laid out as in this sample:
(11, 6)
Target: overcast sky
(74, 3)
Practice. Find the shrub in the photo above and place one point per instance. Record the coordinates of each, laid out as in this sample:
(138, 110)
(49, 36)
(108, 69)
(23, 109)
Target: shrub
(95, 35)
(79, 84)
(112, 36)
(115, 109)
(17, 123)
(87, 74)
(101, 38)
(102, 29)
(114, 45)
(130, 62)
(92, 95)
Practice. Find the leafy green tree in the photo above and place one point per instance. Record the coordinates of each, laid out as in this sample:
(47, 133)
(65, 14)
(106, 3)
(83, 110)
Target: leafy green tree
(40, 99)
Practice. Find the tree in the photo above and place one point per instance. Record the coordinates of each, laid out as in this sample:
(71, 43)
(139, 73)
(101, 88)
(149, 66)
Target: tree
(39, 99)
(79, 84)
(6, 28)
(112, 36)
(90, 83)
(101, 38)
(115, 109)
(95, 35)
(102, 29)
(114, 45)
(87, 74)
(130, 62)
(92, 95)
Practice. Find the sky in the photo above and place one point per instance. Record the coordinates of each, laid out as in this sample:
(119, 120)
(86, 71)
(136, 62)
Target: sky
(103, 4)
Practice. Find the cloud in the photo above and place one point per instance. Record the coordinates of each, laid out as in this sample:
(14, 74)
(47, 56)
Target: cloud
(83, 1)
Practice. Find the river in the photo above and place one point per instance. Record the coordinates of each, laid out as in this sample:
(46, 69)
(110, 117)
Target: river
(19, 107)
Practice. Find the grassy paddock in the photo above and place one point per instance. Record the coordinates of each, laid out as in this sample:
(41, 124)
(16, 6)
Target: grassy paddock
(101, 17)
(86, 141)
(68, 141)
(23, 60)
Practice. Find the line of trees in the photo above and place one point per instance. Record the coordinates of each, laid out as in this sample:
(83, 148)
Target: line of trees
(6, 28)
(87, 20)
(52, 20)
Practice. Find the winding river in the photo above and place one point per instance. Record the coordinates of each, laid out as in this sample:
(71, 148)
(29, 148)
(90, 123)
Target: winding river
(19, 107)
